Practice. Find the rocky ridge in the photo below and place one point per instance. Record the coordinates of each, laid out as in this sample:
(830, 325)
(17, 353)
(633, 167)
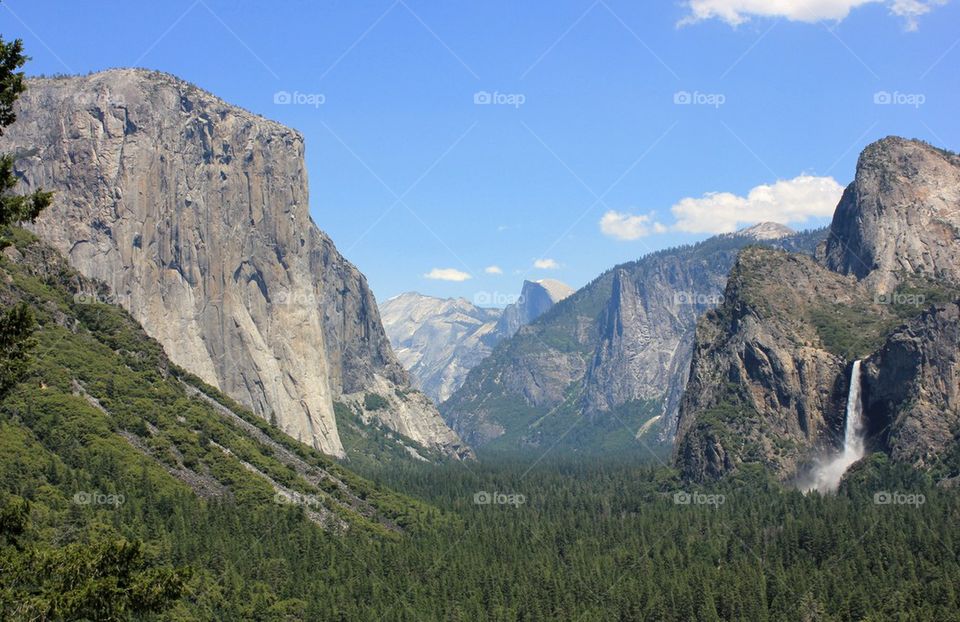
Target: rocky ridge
(439, 340)
(621, 345)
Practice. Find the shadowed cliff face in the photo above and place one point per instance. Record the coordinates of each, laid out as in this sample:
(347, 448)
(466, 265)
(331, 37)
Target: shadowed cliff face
(768, 378)
(771, 366)
(912, 387)
(195, 213)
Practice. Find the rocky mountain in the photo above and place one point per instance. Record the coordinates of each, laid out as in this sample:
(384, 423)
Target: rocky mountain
(195, 214)
(536, 298)
(899, 217)
(438, 340)
(771, 366)
(608, 361)
(765, 231)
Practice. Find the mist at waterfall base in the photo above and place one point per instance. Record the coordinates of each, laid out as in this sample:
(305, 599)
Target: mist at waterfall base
(826, 476)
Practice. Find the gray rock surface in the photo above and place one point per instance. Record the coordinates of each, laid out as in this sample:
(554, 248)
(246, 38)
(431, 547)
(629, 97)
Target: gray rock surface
(536, 298)
(900, 216)
(195, 213)
(912, 387)
(764, 386)
(438, 340)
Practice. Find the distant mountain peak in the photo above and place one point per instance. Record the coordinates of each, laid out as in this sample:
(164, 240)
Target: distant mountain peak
(765, 231)
(557, 290)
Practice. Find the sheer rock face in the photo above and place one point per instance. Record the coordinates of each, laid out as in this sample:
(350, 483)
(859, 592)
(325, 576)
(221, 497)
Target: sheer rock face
(641, 340)
(900, 216)
(536, 298)
(195, 213)
(912, 387)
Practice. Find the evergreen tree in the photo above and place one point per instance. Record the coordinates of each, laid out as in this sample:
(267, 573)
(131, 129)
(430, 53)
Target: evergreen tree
(16, 324)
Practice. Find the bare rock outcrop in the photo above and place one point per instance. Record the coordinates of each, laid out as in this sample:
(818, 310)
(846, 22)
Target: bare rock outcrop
(900, 217)
(912, 387)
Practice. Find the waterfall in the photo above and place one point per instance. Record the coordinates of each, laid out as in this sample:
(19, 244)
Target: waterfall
(828, 474)
(853, 432)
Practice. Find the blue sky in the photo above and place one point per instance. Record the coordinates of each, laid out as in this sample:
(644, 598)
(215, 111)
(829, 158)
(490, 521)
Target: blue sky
(445, 138)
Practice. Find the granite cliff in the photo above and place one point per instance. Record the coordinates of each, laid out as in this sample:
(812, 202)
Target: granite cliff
(195, 214)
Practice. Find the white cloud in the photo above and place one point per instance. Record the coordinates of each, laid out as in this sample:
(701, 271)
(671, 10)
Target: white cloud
(546, 264)
(624, 226)
(493, 270)
(446, 274)
(735, 12)
(786, 201)
(910, 10)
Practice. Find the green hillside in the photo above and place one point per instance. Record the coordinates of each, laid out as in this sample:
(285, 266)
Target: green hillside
(106, 442)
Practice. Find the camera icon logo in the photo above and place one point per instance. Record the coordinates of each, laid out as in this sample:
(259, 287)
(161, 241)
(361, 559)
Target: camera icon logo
(482, 498)
(482, 98)
(282, 97)
(682, 98)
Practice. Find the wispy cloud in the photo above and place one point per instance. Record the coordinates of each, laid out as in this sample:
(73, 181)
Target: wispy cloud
(493, 270)
(736, 12)
(447, 274)
(546, 264)
(623, 226)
